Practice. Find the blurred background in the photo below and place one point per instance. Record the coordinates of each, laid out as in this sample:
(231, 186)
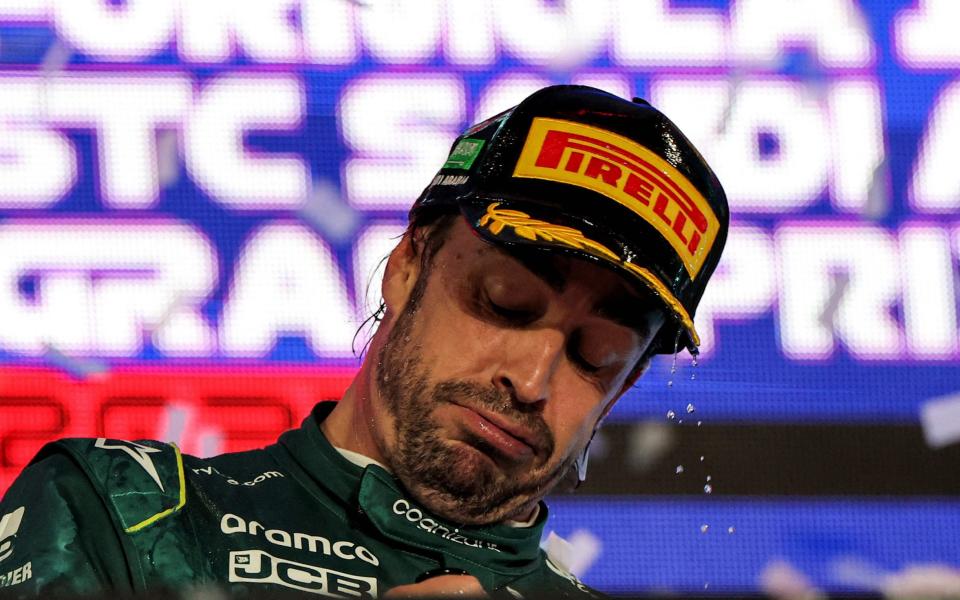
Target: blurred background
(195, 197)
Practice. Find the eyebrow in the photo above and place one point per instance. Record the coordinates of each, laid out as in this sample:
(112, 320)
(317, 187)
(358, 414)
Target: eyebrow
(625, 309)
(617, 310)
(544, 268)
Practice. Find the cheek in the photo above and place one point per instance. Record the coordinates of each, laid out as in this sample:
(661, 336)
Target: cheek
(456, 345)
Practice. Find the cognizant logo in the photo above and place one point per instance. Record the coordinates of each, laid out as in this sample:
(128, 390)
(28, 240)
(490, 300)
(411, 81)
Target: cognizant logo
(344, 549)
(415, 515)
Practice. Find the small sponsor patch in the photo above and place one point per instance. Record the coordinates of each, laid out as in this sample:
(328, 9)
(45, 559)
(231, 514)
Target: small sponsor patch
(22, 573)
(449, 180)
(212, 471)
(627, 173)
(257, 566)
(464, 153)
(9, 525)
(232, 524)
(416, 518)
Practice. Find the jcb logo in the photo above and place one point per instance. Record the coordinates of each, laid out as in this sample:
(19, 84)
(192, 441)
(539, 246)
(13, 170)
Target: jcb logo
(257, 566)
(627, 173)
(9, 525)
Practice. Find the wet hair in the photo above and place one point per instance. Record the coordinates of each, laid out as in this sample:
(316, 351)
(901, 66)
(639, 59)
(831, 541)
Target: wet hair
(428, 230)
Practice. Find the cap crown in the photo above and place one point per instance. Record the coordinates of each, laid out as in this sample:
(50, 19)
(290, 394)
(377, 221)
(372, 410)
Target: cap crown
(579, 170)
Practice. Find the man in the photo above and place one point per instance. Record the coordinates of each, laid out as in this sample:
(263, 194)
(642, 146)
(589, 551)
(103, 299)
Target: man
(561, 245)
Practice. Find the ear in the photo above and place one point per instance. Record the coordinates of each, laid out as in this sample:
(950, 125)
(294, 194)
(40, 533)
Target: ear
(400, 275)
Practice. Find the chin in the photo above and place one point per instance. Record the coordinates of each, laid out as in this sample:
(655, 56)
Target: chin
(468, 487)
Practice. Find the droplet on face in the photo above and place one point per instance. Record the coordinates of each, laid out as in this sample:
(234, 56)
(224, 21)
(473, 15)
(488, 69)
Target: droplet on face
(708, 489)
(691, 408)
(704, 528)
(671, 415)
(679, 469)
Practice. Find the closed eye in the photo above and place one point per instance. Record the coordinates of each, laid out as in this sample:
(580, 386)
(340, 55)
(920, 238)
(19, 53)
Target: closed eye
(579, 359)
(584, 364)
(511, 315)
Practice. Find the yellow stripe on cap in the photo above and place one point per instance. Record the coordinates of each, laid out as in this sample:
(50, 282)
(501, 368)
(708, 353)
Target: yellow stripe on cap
(669, 299)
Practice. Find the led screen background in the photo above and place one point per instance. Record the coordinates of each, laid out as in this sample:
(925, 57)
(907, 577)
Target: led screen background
(194, 199)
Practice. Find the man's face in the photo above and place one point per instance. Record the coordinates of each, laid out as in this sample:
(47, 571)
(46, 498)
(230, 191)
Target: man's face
(496, 371)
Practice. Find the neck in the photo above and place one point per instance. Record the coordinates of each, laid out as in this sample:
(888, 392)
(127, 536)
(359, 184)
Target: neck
(351, 423)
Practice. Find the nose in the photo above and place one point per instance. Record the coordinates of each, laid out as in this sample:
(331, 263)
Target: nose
(530, 360)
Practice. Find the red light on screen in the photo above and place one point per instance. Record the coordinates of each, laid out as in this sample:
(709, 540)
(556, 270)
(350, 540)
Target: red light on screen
(205, 410)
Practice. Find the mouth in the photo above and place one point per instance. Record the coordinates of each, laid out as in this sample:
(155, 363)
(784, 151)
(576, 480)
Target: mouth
(510, 440)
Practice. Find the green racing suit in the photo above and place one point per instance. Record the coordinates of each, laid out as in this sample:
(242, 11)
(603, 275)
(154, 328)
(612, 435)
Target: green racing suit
(90, 515)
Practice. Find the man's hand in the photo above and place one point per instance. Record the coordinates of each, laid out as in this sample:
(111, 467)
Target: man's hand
(441, 586)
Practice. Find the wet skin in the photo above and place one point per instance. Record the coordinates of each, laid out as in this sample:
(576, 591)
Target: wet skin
(491, 372)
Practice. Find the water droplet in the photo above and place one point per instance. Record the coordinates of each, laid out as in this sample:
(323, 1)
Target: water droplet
(671, 415)
(706, 585)
(699, 423)
(694, 360)
(680, 421)
(701, 458)
(730, 529)
(693, 376)
(676, 348)
(691, 408)
(679, 469)
(709, 477)
(708, 489)
(704, 528)
(670, 384)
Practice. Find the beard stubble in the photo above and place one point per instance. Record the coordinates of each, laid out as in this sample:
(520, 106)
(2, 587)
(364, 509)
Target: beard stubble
(451, 478)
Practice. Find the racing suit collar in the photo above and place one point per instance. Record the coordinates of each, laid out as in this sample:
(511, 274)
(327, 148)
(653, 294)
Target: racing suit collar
(379, 498)
(498, 548)
(318, 458)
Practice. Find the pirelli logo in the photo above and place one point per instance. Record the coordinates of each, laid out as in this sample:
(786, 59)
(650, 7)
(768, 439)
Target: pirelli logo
(627, 173)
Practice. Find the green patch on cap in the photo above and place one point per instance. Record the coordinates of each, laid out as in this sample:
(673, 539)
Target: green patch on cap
(464, 153)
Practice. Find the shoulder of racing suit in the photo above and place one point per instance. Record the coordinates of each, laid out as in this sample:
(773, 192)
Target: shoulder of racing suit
(143, 481)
